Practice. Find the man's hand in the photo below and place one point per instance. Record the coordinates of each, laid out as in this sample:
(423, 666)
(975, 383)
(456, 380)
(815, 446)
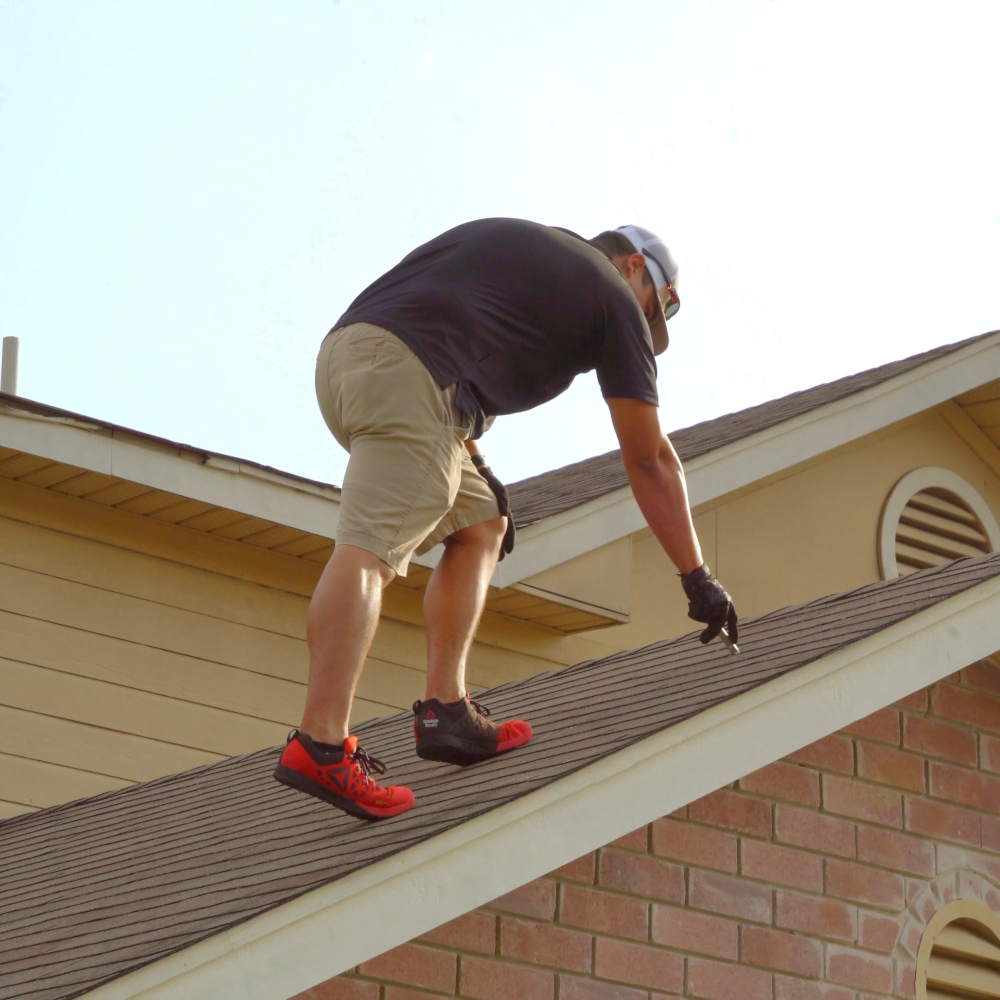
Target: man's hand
(503, 502)
(709, 603)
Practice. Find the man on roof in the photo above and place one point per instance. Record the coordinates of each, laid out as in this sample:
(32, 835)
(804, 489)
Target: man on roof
(492, 317)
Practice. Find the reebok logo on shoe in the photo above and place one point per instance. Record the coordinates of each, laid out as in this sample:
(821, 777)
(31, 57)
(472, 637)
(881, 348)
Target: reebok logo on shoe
(460, 732)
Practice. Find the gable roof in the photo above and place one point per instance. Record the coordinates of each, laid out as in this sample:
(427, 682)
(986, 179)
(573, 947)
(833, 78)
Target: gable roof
(563, 513)
(562, 489)
(97, 889)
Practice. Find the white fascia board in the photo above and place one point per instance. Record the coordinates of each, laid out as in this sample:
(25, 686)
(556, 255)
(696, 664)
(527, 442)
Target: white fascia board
(321, 934)
(714, 474)
(212, 479)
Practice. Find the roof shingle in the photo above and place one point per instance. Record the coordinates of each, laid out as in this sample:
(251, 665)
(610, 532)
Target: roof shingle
(97, 888)
(562, 489)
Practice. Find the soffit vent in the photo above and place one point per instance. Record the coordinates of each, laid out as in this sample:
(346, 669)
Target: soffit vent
(935, 527)
(963, 960)
(931, 517)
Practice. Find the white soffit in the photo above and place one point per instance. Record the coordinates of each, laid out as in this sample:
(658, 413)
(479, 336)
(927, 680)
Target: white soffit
(323, 933)
(215, 479)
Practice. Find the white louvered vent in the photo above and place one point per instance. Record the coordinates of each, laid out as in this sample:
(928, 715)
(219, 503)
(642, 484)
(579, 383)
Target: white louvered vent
(964, 963)
(935, 527)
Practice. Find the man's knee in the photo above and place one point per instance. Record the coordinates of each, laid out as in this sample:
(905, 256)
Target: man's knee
(364, 563)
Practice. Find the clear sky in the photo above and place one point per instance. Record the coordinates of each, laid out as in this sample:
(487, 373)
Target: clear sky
(192, 192)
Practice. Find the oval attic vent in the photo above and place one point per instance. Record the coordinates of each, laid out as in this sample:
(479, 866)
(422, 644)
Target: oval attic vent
(935, 527)
(960, 956)
(931, 517)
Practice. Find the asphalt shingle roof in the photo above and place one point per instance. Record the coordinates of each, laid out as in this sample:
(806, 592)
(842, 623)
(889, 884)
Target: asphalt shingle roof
(96, 888)
(562, 489)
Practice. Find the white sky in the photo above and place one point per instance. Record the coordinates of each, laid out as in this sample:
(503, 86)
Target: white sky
(191, 193)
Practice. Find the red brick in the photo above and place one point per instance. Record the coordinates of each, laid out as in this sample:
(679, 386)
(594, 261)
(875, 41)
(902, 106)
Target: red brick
(405, 993)
(581, 870)
(687, 930)
(877, 931)
(918, 700)
(340, 988)
(734, 812)
(815, 915)
(855, 968)
(890, 766)
(544, 944)
(796, 989)
(642, 876)
(974, 708)
(906, 980)
(639, 965)
(989, 753)
(718, 981)
(868, 802)
(415, 966)
(832, 753)
(882, 725)
(805, 828)
(571, 988)
(983, 674)
(939, 739)
(603, 911)
(782, 780)
(945, 822)
(990, 831)
(967, 788)
(732, 896)
(865, 885)
(473, 931)
(771, 949)
(697, 845)
(533, 899)
(490, 979)
(784, 865)
(889, 849)
(637, 840)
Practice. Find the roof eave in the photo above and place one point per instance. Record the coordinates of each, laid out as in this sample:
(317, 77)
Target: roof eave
(324, 932)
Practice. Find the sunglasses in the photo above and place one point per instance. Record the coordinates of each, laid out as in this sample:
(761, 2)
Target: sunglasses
(669, 301)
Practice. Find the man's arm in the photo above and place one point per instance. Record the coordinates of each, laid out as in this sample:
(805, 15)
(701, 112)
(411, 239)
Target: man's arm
(657, 480)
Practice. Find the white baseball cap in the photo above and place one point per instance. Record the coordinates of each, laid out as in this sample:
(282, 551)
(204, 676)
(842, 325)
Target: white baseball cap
(663, 270)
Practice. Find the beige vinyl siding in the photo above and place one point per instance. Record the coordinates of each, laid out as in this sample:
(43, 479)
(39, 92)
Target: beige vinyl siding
(132, 650)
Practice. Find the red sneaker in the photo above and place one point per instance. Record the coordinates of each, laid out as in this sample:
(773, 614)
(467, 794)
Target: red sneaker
(458, 732)
(340, 777)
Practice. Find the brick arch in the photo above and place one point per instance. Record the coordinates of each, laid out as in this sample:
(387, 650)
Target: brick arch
(959, 883)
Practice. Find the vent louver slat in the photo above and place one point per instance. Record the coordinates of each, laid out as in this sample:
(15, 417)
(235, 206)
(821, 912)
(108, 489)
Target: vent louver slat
(963, 964)
(935, 527)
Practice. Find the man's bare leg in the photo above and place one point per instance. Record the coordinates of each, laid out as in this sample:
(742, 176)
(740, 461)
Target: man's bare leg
(343, 616)
(453, 604)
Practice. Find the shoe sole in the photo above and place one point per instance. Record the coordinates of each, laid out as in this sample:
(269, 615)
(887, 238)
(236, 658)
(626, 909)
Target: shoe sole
(293, 779)
(455, 750)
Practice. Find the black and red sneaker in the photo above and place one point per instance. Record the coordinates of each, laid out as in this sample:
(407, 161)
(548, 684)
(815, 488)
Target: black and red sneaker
(340, 777)
(458, 732)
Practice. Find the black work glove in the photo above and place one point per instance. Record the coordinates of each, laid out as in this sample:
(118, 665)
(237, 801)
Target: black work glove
(503, 502)
(708, 602)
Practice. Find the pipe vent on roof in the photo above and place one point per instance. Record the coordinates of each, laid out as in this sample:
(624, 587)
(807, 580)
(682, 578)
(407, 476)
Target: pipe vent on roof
(931, 517)
(959, 958)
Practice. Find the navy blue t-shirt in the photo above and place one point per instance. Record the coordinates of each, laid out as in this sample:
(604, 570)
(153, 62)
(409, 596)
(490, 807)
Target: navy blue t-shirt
(511, 312)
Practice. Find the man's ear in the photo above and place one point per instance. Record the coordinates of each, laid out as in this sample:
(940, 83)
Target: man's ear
(633, 264)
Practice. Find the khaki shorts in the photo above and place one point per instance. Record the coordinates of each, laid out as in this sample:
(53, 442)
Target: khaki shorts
(410, 482)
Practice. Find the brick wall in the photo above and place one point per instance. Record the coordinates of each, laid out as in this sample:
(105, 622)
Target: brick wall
(811, 879)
